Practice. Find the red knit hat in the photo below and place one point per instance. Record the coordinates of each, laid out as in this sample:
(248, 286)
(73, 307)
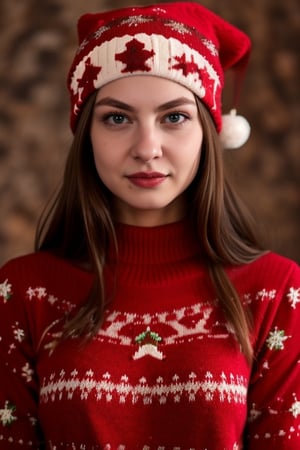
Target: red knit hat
(181, 41)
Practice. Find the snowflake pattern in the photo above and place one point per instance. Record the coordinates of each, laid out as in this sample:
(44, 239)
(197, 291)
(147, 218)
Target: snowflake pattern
(100, 31)
(82, 46)
(295, 408)
(32, 420)
(6, 414)
(294, 297)
(52, 299)
(264, 295)
(19, 333)
(135, 21)
(40, 293)
(5, 291)
(210, 46)
(276, 339)
(254, 413)
(27, 372)
(178, 26)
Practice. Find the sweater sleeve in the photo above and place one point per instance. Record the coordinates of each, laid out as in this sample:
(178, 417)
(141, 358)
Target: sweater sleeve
(18, 382)
(274, 391)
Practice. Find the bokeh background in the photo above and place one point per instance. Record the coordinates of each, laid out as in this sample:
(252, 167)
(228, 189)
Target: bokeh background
(38, 40)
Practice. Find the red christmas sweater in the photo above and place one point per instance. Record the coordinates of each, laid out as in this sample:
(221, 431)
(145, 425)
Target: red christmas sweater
(165, 371)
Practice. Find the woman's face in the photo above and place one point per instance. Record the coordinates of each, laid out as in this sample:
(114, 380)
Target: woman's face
(146, 138)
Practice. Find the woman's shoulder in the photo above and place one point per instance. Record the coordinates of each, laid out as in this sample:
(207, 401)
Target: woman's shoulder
(42, 268)
(43, 275)
(274, 264)
(268, 272)
(31, 261)
(270, 263)
(276, 261)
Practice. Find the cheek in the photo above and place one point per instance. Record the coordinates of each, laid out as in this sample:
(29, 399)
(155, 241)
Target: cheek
(104, 174)
(101, 164)
(103, 156)
(191, 159)
(197, 149)
(108, 164)
(191, 166)
(194, 167)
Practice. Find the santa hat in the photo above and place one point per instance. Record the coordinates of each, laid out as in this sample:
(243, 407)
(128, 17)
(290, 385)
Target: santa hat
(181, 41)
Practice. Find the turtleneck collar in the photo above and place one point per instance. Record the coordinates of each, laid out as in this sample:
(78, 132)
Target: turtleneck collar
(156, 245)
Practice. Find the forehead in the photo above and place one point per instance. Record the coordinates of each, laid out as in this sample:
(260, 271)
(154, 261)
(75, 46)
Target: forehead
(144, 88)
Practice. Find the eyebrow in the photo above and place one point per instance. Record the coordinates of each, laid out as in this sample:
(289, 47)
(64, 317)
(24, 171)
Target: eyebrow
(110, 101)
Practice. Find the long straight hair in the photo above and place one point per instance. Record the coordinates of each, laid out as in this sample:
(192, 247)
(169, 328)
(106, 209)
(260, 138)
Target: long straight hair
(78, 226)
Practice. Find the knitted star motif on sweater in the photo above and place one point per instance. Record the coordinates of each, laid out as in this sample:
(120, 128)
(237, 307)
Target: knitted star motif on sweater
(165, 370)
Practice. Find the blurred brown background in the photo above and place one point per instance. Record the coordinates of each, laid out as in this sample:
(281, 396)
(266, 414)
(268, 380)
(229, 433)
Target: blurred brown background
(38, 39)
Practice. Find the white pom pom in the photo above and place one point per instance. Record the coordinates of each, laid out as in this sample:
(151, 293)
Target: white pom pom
(235, 130)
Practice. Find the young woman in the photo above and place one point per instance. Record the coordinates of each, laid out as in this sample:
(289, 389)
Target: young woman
(149, 316)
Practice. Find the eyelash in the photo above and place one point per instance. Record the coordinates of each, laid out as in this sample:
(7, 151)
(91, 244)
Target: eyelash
(113, 115)
(182, 115)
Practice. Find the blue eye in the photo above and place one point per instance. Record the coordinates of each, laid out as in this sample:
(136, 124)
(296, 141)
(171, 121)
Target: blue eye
(115, 119)
(176, 118)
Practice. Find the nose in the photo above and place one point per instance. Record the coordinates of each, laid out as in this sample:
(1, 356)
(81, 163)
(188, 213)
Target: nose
(147, 145)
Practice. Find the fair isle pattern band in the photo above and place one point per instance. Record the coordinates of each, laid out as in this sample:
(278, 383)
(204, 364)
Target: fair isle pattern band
(226, 388)
(135, 20)
(183, 324)
(143, 55)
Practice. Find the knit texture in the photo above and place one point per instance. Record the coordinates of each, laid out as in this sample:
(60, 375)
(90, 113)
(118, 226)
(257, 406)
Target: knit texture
(165, 371)
(183, 41)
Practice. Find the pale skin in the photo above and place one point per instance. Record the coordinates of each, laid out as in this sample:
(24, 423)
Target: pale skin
(146, 137)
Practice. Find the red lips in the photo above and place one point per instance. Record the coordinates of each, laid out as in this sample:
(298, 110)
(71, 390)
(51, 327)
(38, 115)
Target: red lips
(147, 179)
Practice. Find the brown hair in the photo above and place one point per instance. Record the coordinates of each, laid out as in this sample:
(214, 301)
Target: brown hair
(79, 226)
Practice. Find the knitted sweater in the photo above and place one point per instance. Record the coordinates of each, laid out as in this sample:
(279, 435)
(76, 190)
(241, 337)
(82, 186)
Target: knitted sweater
(165, 371)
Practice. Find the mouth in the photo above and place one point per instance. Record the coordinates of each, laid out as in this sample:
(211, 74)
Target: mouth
(147, 179)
